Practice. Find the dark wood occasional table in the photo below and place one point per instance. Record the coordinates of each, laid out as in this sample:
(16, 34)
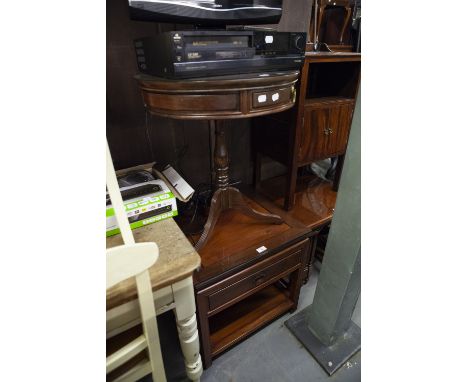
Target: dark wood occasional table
(216, 99)
(251, 273)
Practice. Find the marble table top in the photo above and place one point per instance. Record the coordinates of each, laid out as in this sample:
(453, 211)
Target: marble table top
(177, 260)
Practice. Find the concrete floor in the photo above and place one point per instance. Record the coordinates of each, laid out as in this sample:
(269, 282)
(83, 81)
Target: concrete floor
(272, 354)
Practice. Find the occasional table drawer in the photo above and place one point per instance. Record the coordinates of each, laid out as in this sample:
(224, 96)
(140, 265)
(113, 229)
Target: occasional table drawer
(272, 97)
(256, 277)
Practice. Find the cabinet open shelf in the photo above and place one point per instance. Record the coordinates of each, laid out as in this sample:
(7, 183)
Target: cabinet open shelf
(333, 79)
(238, 321)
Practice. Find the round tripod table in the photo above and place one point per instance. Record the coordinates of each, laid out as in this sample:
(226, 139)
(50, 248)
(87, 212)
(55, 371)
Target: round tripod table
(216, 99)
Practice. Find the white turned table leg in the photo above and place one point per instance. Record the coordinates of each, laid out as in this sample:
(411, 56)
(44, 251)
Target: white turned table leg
(187, 327)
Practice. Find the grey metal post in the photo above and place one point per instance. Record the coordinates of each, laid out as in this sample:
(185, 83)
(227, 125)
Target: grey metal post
(325, 327)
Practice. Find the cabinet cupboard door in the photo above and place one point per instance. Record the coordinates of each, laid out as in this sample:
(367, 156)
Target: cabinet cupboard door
(325, 129)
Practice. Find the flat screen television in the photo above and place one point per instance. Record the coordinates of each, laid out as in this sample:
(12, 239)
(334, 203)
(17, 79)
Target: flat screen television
(207, 12)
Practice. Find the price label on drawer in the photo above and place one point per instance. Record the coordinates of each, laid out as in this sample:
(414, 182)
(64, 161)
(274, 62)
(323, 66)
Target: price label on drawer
(261, 249)
(275, 97)
(262, 98)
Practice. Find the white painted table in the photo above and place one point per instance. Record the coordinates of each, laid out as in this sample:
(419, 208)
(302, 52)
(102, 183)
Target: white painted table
(171, 280)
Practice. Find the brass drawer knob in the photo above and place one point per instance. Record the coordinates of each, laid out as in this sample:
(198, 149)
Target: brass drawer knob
(259, 279)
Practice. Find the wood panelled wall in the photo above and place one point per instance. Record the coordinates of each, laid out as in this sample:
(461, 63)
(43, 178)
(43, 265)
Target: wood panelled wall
(136, 138)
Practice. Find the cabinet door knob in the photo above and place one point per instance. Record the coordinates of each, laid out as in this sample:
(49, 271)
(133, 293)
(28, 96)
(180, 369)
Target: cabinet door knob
(327, 131)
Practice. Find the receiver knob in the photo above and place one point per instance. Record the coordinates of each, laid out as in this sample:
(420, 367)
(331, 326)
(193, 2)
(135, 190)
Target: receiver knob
(299, 42)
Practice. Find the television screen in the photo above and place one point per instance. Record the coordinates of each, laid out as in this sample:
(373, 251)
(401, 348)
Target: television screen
(207, 12)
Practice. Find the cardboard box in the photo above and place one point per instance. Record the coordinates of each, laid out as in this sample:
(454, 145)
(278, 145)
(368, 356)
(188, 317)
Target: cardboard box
(142, 207)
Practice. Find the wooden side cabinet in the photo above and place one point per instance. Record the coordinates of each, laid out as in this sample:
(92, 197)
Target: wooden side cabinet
(318, 126)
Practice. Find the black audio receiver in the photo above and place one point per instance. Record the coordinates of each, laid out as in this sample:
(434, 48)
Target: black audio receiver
(190, 54)
(279, 43)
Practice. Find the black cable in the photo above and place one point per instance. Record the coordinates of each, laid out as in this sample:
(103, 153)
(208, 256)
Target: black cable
(148, 136)
(196, 200)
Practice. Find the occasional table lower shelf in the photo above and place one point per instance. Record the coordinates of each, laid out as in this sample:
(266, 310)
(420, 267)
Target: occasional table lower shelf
(242, 319)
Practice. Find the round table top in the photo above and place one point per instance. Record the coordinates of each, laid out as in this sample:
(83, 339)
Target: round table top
(236, 81)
